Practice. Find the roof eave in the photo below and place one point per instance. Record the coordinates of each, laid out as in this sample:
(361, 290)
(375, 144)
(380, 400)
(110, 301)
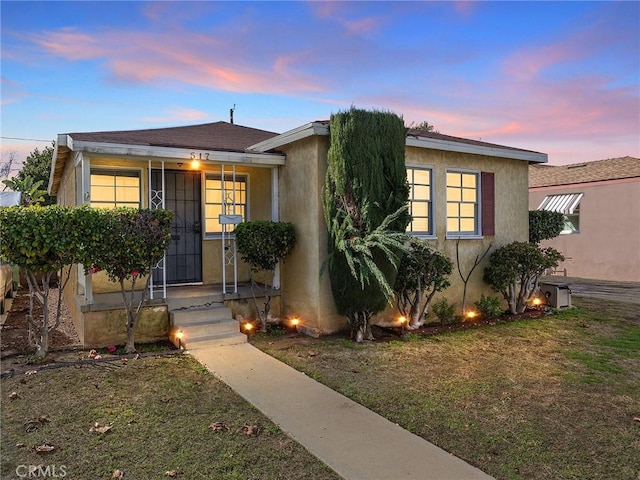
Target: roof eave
(304, 131)
(318, 128)
(61, 149)
(449, 146)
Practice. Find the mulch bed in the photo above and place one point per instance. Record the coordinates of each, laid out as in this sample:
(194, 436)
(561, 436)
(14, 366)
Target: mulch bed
(14, 336)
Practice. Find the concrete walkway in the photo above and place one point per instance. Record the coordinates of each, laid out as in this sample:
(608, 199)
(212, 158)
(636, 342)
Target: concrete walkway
(355, 442)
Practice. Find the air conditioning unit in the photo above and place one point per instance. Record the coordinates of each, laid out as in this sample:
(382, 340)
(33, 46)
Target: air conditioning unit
(558, 295)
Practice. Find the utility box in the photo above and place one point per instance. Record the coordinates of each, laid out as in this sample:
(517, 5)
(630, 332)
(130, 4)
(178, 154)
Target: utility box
(558, 295)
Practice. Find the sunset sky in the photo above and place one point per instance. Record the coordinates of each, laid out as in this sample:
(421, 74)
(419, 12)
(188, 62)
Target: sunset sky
(561, 78)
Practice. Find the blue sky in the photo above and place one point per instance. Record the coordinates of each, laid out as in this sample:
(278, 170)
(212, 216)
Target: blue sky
(561, 78)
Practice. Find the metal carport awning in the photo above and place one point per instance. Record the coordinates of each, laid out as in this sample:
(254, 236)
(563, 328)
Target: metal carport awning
(565, 203)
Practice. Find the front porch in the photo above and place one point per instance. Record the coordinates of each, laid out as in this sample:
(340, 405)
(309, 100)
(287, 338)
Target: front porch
(201, 312)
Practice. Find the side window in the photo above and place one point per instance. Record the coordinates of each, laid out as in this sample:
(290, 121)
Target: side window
(228, 198)
(420, 201)
(569, 205)
(115, 188)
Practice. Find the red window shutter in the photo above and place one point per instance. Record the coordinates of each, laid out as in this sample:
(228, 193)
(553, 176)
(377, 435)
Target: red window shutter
(488, 204)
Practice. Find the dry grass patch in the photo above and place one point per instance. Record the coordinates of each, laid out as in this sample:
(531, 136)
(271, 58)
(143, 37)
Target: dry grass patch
(167, 416)
(533, 399)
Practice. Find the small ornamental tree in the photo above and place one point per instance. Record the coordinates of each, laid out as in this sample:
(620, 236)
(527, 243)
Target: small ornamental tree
(544, 225)
(514, 269)
(262, 244)
(423, 271)
(131, 242)
(365, 198)
(43, 242)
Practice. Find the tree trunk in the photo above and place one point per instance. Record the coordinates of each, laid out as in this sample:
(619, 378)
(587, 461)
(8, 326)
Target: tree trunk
(130, 347)
(361, 326)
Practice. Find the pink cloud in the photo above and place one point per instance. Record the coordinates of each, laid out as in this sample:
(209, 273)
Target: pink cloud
(71, 44)
(362, 26)
(195, 59)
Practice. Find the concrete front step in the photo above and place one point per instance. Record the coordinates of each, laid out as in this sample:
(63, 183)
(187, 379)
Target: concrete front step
(217, 341)
(210, 326)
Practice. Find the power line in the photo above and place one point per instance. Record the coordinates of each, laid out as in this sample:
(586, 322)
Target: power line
(27, 139)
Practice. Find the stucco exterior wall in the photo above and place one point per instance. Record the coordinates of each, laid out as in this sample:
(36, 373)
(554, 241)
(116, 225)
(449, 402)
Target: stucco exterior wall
(307, 295)
(608, 244)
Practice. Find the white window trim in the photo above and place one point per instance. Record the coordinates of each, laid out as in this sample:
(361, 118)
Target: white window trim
(432, 213)
(218, 235)
(459, 235)
(110, 168)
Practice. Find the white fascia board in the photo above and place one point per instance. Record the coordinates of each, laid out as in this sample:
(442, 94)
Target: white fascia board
(114, 149)
(304, 131)
(449, 146)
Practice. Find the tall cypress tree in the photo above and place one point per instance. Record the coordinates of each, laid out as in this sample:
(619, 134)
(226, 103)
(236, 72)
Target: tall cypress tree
(365, 206)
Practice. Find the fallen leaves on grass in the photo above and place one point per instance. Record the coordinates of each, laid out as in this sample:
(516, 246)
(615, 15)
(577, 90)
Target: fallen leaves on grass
(117, 473)
(44, 449)
(14, 395)
(218, 426)
(637, 419)
(101, 429)
(313, 353)
(171, 473)
(251, 430)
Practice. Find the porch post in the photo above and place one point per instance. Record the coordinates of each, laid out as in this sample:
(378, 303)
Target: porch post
(275, 217)
(84, 194)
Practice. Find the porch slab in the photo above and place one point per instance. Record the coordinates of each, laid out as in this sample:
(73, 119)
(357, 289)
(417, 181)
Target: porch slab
(113, 300)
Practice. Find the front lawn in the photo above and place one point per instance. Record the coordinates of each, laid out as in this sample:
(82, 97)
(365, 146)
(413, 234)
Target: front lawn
(550, 398)
(158, 417)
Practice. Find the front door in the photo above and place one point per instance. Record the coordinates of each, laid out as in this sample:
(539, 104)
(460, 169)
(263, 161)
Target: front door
(182, 196)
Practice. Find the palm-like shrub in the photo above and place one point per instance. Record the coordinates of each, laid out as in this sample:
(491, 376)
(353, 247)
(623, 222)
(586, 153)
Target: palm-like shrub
(364, 201)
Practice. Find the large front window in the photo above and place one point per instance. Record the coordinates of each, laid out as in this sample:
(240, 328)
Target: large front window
(462, 203)
(115, 188)
(229, 198)
(420, 201)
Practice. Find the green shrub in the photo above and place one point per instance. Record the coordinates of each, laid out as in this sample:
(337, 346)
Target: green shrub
(514, 269)
(262, 244)
(489, 307)
(445, 311)
(544, 225)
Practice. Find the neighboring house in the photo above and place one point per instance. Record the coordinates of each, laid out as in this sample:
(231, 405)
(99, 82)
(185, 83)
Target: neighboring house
(463, 191)
(601, 204)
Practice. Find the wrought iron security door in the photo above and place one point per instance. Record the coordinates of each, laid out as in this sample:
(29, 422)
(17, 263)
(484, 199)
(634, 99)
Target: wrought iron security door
(182, 194)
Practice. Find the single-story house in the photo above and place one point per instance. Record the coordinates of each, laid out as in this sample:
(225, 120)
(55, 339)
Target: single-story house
(463, 191)
(601, 204)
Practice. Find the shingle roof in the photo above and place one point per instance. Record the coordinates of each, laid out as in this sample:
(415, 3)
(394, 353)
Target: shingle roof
(609, 169)
(413, 132)
(439, 136)
(220, 136)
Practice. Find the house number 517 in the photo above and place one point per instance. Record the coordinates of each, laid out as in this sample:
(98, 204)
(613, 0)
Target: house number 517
(199, 156)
